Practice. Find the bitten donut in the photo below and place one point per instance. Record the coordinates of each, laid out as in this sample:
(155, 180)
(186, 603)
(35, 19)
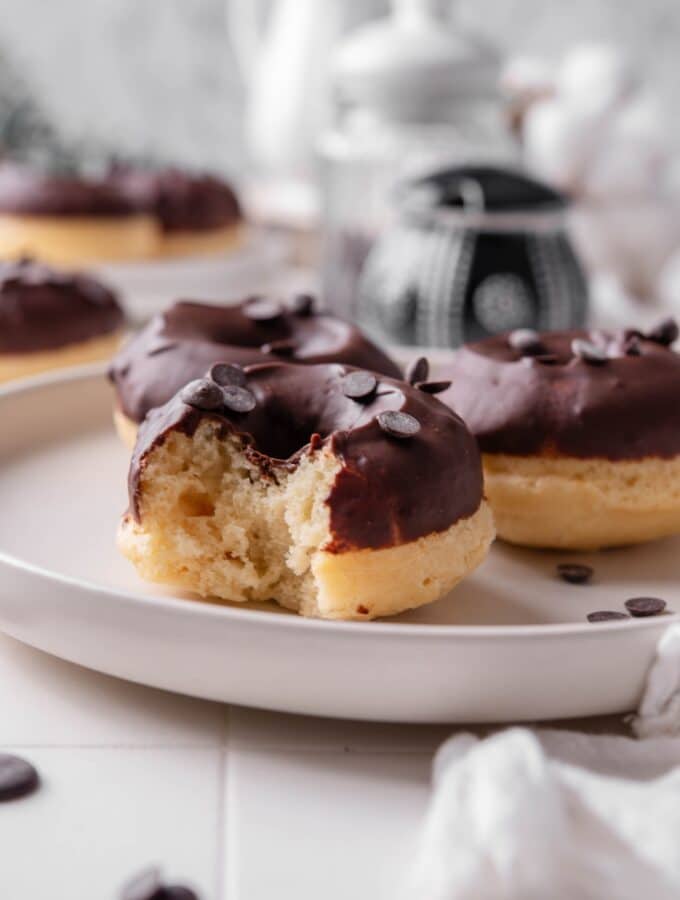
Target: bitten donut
(335, 492)
(195, 213)
(183, 342)
(50, 319)
(579, 433)
(70, 220)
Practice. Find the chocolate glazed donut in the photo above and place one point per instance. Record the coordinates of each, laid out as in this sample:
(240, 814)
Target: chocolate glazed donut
(332, 490)
(184, 341)
(579, 431)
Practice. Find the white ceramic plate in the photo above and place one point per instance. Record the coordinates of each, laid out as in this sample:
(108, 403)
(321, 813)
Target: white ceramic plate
(510, 643)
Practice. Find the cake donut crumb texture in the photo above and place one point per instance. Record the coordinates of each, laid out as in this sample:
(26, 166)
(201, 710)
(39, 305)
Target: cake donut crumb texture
(283, 486)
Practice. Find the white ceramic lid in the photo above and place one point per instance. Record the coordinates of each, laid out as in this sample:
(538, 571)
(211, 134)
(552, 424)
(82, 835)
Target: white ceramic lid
(414, 64)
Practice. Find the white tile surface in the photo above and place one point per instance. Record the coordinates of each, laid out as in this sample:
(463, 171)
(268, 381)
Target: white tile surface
(321, 825)
(46, 701)
(103, 814)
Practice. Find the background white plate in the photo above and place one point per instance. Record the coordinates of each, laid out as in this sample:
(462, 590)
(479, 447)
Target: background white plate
(510, 643)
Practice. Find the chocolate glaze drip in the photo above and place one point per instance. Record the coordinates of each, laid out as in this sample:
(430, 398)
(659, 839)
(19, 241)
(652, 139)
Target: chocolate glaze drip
(388, 491)
(180, 201)
(551, 401)
(183, 342)
(43, 309)
(30, 191)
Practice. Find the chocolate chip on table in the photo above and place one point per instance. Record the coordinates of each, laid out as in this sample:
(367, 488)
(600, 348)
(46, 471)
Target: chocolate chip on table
(574, 573)
(359, 385)
(261, 309)
(433, 387)
(606, 615)
(302, 305)
(147, 885)
(202, 394)
(17, 777)
(589, 352)
(226, 373)
(641, 607)
(418, 370)
(238, 399)
(280, 348)
(664, 332)
(398, 424)
(526, 340)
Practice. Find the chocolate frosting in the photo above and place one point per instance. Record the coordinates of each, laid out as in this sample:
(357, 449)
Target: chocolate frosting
(389, 490)
(625, 407)
(180, 200)
(43, 309)
(31, 191)
(183, 342)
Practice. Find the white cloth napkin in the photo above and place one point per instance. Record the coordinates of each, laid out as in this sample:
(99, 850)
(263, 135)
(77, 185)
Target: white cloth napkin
(531, 814)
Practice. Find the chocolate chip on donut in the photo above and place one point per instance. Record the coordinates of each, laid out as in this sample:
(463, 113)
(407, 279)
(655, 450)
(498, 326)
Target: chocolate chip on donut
(418, 370)
(398, 424)
(302, 305)
(664, 332)
(359, 385)
(433, 387)
(262, 309)
(589, 352)
(238, 399)
(203, 394)
(226, 373)
(526, 340)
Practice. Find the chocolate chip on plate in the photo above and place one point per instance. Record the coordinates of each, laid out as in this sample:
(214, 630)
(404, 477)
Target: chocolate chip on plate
(526, 340)
(606, 615)
(359, 385)
(433, 387)
(302, 305)
(645, 606)
(664, 332)
(202, 394)
(147, 885)
(283, 347)
(238, 399)
(261, 309)
(398, 424)
(589, 352)
(418, 370)
(17, 777)
(574, 573)
(226, 373)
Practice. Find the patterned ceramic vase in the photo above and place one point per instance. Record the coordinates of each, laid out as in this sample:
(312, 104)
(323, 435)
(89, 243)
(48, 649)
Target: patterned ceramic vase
(476, 251)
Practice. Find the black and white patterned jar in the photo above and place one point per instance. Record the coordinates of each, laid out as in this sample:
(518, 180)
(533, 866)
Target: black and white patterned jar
(476, 251)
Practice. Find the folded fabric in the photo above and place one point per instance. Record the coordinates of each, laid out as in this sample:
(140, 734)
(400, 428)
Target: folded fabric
(536, 814)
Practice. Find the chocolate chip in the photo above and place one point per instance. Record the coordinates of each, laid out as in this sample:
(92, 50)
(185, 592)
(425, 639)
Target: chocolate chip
(645, 606)
(359, 385)
(146, 885)
(574, 573)
(202, 394)
(238, 399)
(280, 348)
(606, 615)
(17, 777)
(418, 370)
(302, 305)
(632, 346)
(226, 373)
(433, 387)
(526, 340)
(664, 332)
(589, 352)
(261, 309)
(398, 424)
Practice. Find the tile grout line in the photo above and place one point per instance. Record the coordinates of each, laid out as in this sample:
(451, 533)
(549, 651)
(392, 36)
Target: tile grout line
(222, 776)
